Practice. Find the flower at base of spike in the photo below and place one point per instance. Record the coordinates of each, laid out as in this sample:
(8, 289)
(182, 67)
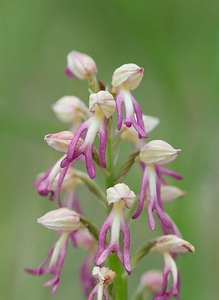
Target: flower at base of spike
(70, 109)
(169, 245)
(102, 106)
(65, 222)
(104, 277)
(151, 281)
(152, 156)
(80, 65)
(121, 196)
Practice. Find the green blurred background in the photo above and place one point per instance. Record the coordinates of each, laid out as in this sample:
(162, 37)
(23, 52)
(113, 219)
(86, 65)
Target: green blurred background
(177, 43)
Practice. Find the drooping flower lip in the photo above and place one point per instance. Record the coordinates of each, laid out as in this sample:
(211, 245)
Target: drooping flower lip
(61, 219)
(158, 152)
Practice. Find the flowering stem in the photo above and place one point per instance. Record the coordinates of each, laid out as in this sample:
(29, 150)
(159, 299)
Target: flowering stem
(110, 179)
(92, 186)
(141, 253)
(91, 227)
(120, 282)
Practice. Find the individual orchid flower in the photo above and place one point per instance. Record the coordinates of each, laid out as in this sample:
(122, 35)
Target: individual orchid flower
(45, 182)
(102, 105)
(65, 222)
(152, 156)
(71, 110)
(104, 277)
(121, 196)
(125, 79)
(80, 65)
(169, 245)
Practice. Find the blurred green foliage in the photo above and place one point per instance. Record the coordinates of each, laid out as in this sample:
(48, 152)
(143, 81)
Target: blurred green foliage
(177, 42)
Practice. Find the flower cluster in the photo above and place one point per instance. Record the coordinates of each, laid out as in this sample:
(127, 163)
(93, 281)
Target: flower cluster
(90, 139)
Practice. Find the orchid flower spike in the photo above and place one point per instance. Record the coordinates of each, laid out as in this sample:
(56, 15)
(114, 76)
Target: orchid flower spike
(65, 222)
(104, 277)
(152, 156)
(120, 196)
(102, 106)
(168, 245)
(125, 79)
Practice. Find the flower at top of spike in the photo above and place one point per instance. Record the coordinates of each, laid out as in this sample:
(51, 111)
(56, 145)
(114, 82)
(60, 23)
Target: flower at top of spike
(80, 65)
(127, 76)
(70, 109)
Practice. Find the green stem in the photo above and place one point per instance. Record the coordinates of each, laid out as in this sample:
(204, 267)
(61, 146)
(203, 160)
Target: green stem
(119, 288)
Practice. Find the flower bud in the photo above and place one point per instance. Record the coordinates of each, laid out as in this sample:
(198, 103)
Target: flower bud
(169, 193)
(80, 65)
(152, 280)
(128, 76)
(59, 141)
(158, 152)
(61, 219)
(120, 192)
(172, 244)
(105, 101)
(70, 109)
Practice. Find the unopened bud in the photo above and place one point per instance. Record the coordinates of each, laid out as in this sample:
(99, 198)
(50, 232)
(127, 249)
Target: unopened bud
(172, 244)
(128, 76)
(105, 101)
(59, 141)
(169, 193)
(80, 65)
(61, 219)
(158, 152)
(70, 109)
